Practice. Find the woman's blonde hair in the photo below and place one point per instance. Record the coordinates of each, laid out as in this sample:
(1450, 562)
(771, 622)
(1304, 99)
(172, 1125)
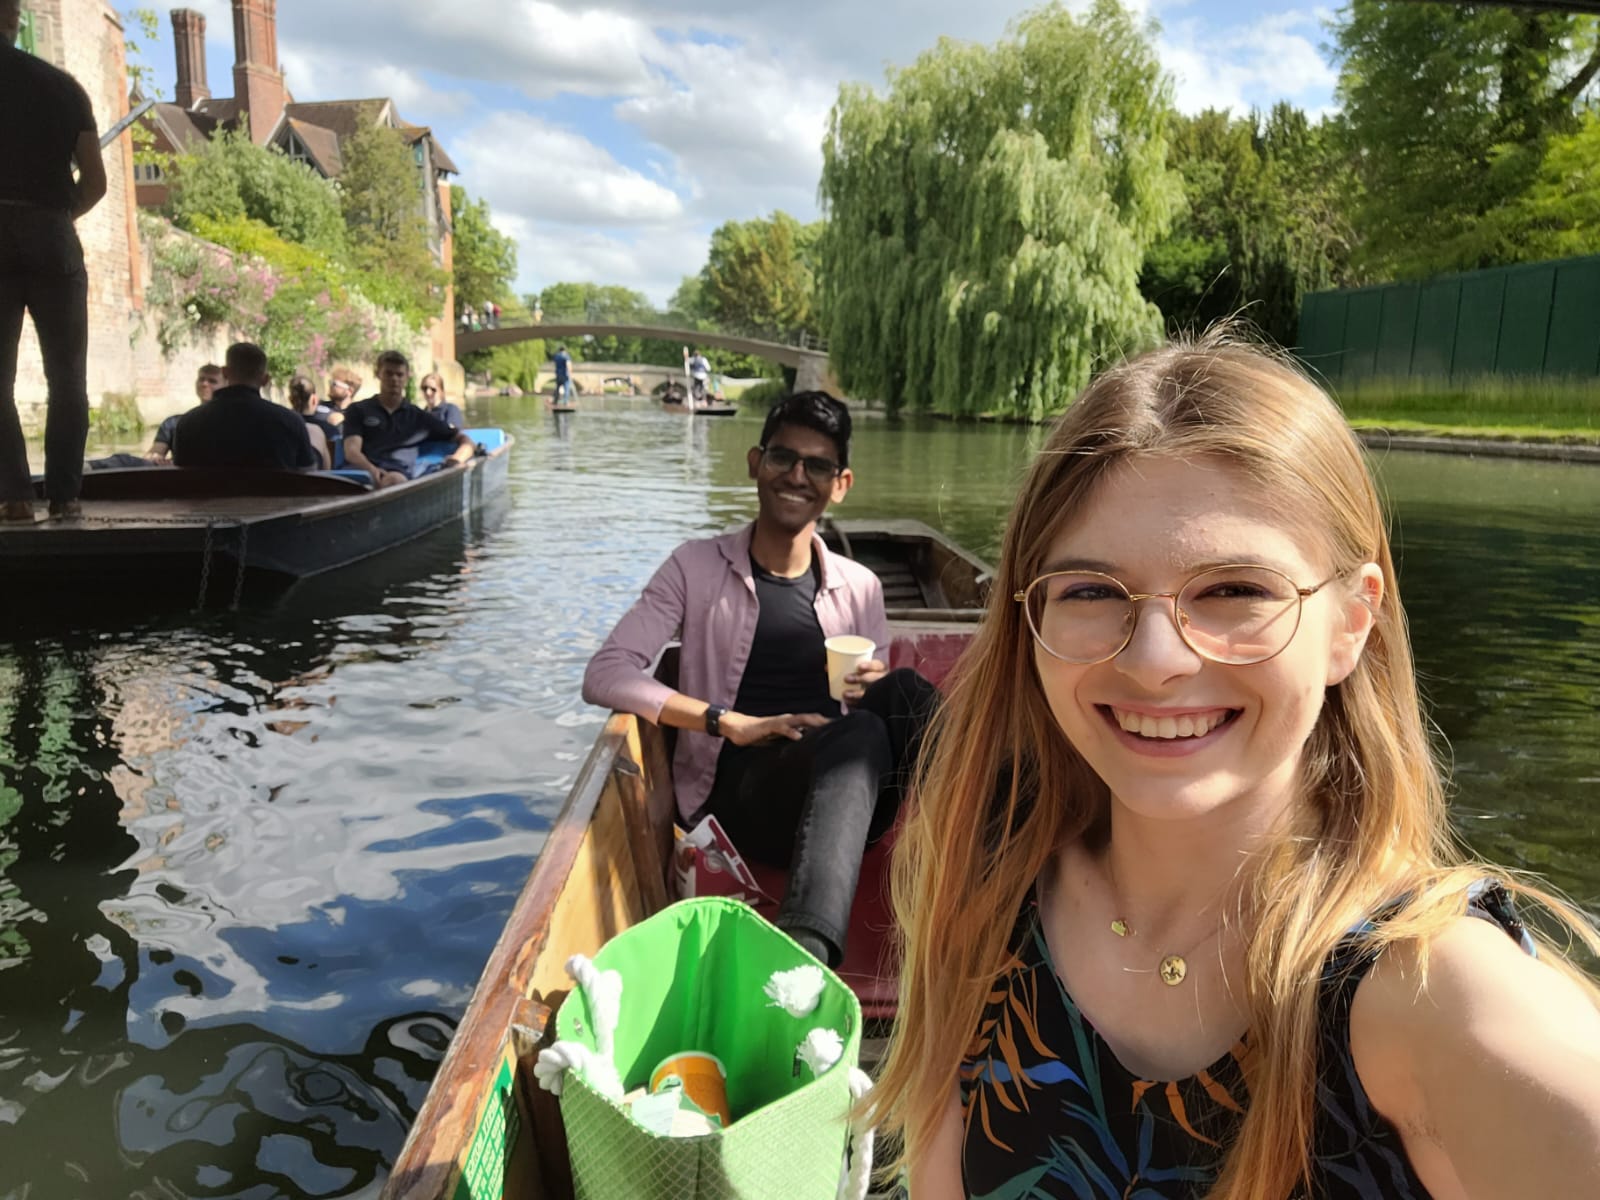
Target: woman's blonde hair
(1002, 790)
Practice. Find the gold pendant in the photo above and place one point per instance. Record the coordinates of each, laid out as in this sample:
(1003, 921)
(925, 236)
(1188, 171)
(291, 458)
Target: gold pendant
(1120, 927)
(1173, 970)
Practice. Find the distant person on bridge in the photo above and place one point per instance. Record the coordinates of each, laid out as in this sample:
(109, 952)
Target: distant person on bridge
(382, 434)
(563, 366)
(48, 126)
(794, 780)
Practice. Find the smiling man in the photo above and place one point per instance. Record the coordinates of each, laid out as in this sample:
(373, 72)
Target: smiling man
(763, 746)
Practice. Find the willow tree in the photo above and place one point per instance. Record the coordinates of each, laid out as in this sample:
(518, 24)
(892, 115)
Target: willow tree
(988, 214)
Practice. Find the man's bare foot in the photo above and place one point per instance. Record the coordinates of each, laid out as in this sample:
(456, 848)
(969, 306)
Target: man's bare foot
(19, 511)
(65, 510)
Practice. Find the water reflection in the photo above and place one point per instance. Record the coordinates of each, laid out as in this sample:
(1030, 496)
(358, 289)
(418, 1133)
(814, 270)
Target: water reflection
(251, 863)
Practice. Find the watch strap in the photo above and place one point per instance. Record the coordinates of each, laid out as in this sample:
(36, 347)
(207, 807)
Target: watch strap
(714, 715)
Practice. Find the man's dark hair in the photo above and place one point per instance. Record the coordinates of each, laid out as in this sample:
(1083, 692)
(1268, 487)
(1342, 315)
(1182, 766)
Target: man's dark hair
(246, 360)
(392, 358)
(816, 411)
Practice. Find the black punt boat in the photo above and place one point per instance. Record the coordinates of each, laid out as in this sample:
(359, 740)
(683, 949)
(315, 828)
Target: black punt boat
(190, 532)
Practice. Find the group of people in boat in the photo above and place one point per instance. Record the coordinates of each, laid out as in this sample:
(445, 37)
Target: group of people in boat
(235, 425)
(1180, 910)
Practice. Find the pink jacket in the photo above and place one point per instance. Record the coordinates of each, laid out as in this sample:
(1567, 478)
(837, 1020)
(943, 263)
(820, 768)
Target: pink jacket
(705, 595)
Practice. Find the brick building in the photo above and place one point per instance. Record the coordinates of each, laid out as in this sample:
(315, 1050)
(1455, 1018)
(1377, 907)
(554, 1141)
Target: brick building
(263, 108)
(86, 38)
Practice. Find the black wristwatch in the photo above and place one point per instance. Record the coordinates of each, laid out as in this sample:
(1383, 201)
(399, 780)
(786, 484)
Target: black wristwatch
(714, 714)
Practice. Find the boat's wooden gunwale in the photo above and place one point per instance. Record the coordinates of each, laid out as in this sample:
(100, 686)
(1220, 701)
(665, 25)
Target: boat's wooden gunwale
(521, 983)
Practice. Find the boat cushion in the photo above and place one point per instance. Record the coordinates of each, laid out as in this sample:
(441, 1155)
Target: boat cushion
(437, 451)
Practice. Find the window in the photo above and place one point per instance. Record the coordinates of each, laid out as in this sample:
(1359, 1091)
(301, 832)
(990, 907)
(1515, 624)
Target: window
(298, 152)
(148, 173)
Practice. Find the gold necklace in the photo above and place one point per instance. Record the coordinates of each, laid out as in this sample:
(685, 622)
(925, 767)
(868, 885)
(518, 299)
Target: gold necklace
(1173, 969)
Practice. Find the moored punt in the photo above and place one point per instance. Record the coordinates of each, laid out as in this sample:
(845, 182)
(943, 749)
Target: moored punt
(706, 410)
(176, 529)
(485, 1131)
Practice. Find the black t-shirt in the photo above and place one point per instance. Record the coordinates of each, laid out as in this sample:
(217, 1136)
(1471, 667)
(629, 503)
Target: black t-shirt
(44, 110)
(168, 432)
(390, 440)
(788, 667)
(241, 428)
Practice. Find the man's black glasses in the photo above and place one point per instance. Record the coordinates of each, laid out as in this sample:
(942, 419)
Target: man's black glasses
(780, 460)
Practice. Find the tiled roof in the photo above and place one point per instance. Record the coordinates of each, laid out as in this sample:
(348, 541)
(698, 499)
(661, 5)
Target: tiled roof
(322, 144)
(343, 117)
(184, 129)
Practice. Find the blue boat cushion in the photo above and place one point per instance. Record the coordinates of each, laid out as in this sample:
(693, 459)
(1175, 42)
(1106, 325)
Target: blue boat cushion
(432, 452)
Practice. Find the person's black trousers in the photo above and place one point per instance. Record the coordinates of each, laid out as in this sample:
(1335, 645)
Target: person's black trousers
(42, 273)
(814, 805)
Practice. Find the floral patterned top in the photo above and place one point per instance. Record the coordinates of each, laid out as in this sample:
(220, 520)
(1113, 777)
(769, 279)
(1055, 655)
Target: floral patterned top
(1050, 1114)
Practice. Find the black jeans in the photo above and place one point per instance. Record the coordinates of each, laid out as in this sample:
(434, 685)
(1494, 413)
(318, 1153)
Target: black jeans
(41, 272)
(816, 804)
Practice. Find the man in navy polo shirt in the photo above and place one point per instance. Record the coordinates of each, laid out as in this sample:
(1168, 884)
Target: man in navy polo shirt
(383, 433)
(239, 427)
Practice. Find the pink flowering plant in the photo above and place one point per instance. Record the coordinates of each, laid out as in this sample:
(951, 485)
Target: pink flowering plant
(239, 277)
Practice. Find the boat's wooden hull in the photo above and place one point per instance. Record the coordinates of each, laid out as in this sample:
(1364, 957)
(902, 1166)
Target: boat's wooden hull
(709, 410)
(165, 528)
(604, 868)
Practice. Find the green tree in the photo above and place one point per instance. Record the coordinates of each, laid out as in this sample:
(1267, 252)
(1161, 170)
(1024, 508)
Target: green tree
(1265, 221)
(380, 191)
(758, 276)
(230, 177)
(609, 304)
(989, 215)
(1558, 214)
(485, 258)
(1454, 110)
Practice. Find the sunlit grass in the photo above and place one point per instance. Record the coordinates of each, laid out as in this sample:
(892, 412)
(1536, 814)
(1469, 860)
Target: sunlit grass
(1528, 409)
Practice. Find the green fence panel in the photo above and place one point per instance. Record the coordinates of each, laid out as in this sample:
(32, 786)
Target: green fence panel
(1478, 325)
(1397, 325)
(1361, 327)
(1573, 347)
(1525, 320)
(1437, 309)
(1529, 319)
(1321, 333)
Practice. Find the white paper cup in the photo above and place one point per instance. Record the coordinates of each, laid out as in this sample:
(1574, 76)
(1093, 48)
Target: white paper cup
(845, 653)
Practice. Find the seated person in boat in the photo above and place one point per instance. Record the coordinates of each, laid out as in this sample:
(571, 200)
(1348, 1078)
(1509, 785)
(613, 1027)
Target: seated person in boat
(239, 427)
(323, 433)
(433, 399)
(206, 382)
(795, 781)
(383, 433)
(343, 384)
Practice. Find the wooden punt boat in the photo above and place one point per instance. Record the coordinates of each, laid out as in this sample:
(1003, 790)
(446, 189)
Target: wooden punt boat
(705, 410)
(486, 1131)
(169, 529)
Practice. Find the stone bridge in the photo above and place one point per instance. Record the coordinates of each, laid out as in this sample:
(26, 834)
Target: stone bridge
(811, 365)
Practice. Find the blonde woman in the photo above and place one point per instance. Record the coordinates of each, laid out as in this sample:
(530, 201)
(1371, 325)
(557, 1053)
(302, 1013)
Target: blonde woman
(433, 398)
(1182, 914)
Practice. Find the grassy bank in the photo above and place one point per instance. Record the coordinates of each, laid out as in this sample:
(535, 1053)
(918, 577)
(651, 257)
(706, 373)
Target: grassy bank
(1509, 409)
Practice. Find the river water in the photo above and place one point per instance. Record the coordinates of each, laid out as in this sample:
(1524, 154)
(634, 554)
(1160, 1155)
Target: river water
(251, 864)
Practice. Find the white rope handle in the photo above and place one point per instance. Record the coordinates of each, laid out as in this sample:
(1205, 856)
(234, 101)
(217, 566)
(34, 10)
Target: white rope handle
(603, 991)
(858, 1178)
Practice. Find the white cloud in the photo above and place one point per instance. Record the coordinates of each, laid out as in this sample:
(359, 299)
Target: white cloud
(526, 165)
(611, 136)
(1275, 58)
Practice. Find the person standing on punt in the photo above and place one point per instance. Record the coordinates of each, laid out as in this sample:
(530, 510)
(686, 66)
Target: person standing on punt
(762, 744)
(382, 434)
(563, 365)
(48, 125)
(239, 427)
(1183, 914)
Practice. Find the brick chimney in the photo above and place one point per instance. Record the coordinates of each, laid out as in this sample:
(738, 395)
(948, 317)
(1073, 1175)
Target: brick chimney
(189, 38)
(257, 81)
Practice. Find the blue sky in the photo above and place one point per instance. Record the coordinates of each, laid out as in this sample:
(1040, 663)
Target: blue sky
(611, 137)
